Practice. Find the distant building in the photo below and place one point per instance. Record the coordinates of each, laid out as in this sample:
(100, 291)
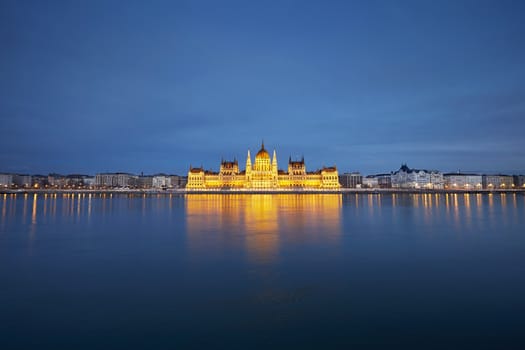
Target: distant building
(57, 180)
(462, 181)
(22, 180)
(377, 181)
(145, 181)
(417, 178)
(161, 181)
(384, 180)
(110, 180)
(183, 181)
(497, 181)
(370, 181)
(177, 181)
(6, 180)
(519, 181)
(39, 181)
(76, 180)
(89, 181)
(351, 180)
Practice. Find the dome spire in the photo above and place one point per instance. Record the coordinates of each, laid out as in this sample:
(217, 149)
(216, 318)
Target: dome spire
(262, 144)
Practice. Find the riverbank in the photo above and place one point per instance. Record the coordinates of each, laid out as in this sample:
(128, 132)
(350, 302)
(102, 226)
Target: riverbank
(184, 191)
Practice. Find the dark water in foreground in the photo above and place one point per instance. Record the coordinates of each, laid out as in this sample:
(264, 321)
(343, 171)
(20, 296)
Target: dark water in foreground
(262, 271)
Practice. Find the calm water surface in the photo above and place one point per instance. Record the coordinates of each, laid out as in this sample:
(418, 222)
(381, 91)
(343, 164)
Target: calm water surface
(262, 271)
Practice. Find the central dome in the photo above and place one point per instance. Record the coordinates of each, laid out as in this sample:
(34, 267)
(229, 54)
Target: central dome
(262, 153)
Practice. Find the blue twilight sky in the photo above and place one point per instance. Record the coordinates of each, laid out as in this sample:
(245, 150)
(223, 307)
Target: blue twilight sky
(154, 86)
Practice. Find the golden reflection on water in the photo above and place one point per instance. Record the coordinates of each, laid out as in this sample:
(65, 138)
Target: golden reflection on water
(4, 206)
(24, 211)
(261, 221)
(466, 200)
(33, 211)
(89, 206)
(33, 226)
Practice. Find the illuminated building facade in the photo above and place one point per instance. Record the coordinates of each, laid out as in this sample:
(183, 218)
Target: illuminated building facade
(499, 181)
(462, 181)
(417, 178)
(263, 174)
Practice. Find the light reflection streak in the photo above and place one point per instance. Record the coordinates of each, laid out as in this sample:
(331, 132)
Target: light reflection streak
(24, 210)
(54, 208)
(78, 206)
(415, 200)
(427, 208)
(370, 200)
(32, 230)
(468, 213)
(89, 206)
(71, 199)
(503, 200)
(4, 207)
(4, 211)
(33, 211)
(456, 209)
(65, 205)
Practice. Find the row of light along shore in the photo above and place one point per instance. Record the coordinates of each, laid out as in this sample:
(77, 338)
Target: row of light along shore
(404, 178)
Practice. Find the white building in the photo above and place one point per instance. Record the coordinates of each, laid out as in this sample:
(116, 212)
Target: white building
(462, 181)
(370, 181)
(497, 181)
(6, 180)
(161, 181)
(417, 178)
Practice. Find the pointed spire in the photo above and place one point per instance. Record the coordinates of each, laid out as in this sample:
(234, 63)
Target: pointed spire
(248, 164)
(274, 160)
(262, 144)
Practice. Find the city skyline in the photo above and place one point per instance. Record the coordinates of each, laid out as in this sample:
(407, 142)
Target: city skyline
(99, 86)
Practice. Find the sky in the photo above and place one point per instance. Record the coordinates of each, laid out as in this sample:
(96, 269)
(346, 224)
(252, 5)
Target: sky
(157, 86)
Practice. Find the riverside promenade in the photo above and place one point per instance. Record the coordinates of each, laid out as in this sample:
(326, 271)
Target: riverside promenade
(182, 191)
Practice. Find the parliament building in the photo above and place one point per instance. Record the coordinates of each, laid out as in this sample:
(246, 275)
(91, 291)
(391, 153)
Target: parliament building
(263, 174)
